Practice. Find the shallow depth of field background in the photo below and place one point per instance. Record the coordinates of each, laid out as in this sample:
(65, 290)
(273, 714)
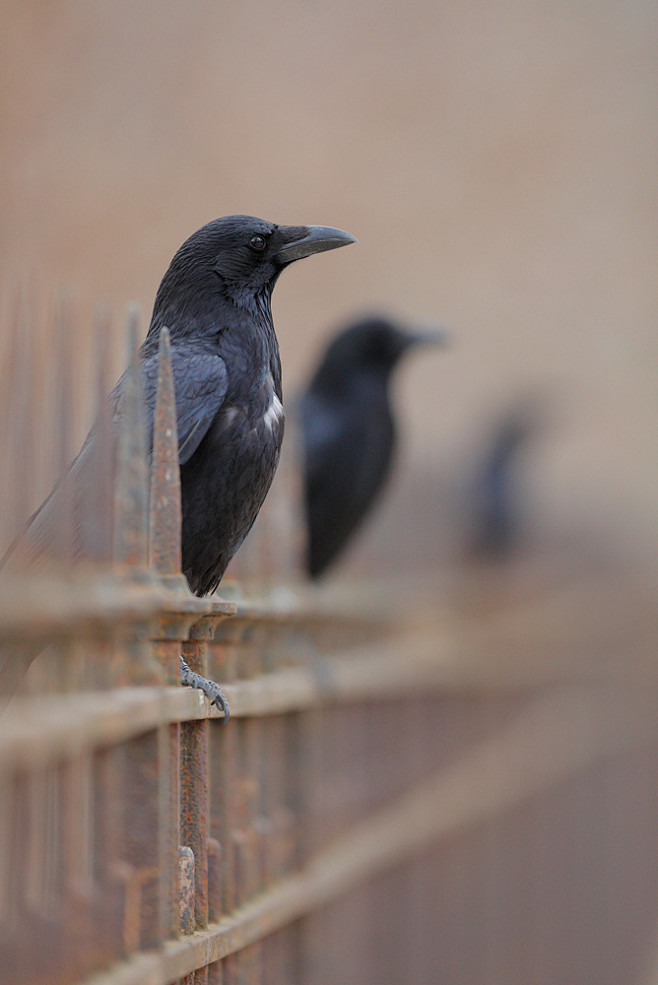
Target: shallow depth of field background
(497, 163)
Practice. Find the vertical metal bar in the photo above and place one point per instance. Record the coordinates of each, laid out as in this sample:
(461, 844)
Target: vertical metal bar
(194, 814)
(215, 973)
(304, 765)
(63, 546)
(20, 449)
(240, 815)
(168, 826)
(96, 496)
(131, 492)
(7, 305)
(260, 819)
(131, 510)
(165, 503)
(194, 774)
(165, 560)
(108, 846)
(288, 822)
(224, 780)
(251, 792)
(270, 783)
(223, 795)
(17, 917)
(84, 910)
(194, 810)
(36, 888)
(6, 816)
(142, 817)
(215, 869)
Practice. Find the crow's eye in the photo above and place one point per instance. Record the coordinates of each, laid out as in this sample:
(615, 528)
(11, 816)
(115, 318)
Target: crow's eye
(258, 243)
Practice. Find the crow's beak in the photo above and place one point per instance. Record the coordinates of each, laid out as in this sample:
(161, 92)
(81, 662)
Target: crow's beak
(430, 335)
(303, 241)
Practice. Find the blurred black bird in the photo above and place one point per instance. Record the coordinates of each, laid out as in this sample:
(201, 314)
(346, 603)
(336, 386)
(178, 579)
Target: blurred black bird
(215, 301)
(498, 495)
(348, 431)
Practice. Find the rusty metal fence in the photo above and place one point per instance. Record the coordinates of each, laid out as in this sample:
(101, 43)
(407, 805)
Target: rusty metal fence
(407, 790)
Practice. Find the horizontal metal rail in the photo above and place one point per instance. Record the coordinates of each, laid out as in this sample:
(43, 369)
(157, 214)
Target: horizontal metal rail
(50, 608)
(64, 725)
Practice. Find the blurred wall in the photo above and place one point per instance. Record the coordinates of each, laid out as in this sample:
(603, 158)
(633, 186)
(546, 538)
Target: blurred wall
(497, 163)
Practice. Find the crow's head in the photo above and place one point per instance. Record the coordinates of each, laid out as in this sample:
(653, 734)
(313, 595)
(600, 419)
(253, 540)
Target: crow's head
(243, 254)
(374, 345)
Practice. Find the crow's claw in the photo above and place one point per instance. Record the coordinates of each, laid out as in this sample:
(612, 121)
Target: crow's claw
(213, 692)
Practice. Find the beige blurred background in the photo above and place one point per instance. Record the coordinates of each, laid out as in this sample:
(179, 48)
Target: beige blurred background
(497, 163)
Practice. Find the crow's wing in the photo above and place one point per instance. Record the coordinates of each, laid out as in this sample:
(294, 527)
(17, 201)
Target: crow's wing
(200, 385)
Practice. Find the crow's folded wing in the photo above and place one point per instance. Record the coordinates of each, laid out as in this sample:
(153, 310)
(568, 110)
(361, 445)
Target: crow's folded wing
(200, 385)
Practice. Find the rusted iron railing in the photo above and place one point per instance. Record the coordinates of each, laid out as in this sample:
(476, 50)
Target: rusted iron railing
(404, 793)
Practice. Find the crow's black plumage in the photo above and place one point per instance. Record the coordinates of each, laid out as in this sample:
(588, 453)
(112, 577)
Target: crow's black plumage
(215, 301)
(348, 431)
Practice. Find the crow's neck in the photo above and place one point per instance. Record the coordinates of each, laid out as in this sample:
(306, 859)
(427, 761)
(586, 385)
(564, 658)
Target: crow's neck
(254, 317)
(202, 314)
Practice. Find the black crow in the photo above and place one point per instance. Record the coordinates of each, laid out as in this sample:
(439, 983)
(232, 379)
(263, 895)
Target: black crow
(215, 301)
(348, 431)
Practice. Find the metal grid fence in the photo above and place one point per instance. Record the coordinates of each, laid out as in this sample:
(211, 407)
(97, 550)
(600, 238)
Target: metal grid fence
(402, 794)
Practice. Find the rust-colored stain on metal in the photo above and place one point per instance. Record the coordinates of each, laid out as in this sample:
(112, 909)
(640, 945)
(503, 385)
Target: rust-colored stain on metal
(186, 889)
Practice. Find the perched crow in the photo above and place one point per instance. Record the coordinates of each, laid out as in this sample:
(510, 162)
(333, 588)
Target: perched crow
(348, 431)
(215, 301)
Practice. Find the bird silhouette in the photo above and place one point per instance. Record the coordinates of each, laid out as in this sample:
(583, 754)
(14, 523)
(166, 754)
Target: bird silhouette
(348, 431)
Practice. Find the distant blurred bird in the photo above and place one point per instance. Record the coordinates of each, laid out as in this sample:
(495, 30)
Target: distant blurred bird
(348, 431)
(215, 301)
(497, 496)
